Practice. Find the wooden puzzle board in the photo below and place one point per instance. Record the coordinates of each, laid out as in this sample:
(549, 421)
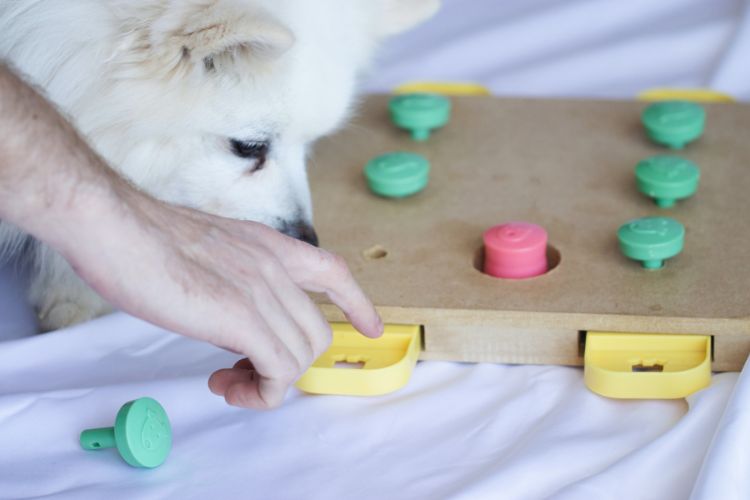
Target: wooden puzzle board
(568, 166)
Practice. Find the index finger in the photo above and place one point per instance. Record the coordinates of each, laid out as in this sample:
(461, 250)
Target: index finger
(317, 270)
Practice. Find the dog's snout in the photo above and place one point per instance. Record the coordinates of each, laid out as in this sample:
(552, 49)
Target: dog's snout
(301, 231)
(308, 235)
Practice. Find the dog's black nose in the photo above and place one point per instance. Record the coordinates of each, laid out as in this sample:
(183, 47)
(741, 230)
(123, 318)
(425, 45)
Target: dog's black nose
(301, 231)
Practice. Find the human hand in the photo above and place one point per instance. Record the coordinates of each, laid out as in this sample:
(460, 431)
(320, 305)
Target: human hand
(236, 284)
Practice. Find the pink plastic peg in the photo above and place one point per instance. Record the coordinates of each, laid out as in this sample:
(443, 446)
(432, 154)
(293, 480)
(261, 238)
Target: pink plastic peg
(515, 250)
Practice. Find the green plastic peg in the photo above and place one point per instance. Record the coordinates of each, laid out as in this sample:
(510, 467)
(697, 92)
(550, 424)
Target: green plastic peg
(667, 179)
(397, 175)
(142, 434)
(651, 240)
(674, 123)
(420, 113)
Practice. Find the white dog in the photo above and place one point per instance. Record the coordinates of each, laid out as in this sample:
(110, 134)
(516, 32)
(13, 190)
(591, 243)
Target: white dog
(210, 104)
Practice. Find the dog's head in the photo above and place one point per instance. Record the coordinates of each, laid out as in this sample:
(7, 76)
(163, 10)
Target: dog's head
(213, 104)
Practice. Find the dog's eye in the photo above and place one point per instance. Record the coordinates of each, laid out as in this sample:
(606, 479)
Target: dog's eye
(251, 150)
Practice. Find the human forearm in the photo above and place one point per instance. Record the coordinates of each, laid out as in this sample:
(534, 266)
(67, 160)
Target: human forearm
(46, 169)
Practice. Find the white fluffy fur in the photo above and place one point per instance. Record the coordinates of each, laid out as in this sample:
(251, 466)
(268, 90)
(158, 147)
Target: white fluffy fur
(158, 87)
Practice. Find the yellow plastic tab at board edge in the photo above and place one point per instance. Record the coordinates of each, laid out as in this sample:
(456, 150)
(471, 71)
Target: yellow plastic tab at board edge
(444, 88)
(694, 95)
(387, 362)
(616, 365)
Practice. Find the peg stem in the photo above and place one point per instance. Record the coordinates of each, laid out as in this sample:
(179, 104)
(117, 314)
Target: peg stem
(97, 439)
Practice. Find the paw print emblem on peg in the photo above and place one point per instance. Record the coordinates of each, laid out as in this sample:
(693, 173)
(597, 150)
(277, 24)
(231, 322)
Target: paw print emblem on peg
(398, 174)
(667, 179)
(674, 123)
(651, 240)
(142, 434)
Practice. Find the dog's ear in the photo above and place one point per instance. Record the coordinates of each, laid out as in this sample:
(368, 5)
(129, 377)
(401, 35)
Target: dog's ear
(199, 33)
(400, 15)
(218, 39)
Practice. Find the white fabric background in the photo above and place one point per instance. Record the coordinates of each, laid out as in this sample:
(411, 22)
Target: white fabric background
(457, 430)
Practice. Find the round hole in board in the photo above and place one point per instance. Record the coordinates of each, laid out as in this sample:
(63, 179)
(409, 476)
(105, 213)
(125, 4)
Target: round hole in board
(375, 252)
(553, 260)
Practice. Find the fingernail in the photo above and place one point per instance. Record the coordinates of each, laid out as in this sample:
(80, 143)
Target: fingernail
(381, 326)
(210, 386)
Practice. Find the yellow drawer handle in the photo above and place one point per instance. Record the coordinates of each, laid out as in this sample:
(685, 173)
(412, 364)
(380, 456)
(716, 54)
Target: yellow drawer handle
(694, 95)
(444, 88)
(355, 365)
(646, 366)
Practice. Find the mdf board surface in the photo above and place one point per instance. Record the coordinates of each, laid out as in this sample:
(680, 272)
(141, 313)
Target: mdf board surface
(568, 166)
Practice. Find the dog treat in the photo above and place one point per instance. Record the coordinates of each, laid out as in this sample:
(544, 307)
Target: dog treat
(397, 175)
(651, 240)
(674, 123)
(515, 250)
(420, 113)
(142, 434)
(667, 179)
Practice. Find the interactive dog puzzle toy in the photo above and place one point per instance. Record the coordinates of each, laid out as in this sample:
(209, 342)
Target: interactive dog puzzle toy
(568, 166)
(651, 240)
(142, 434)
(420, 113)
(667, 179)
(397, 175)
(515, 250)
(674, 123)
